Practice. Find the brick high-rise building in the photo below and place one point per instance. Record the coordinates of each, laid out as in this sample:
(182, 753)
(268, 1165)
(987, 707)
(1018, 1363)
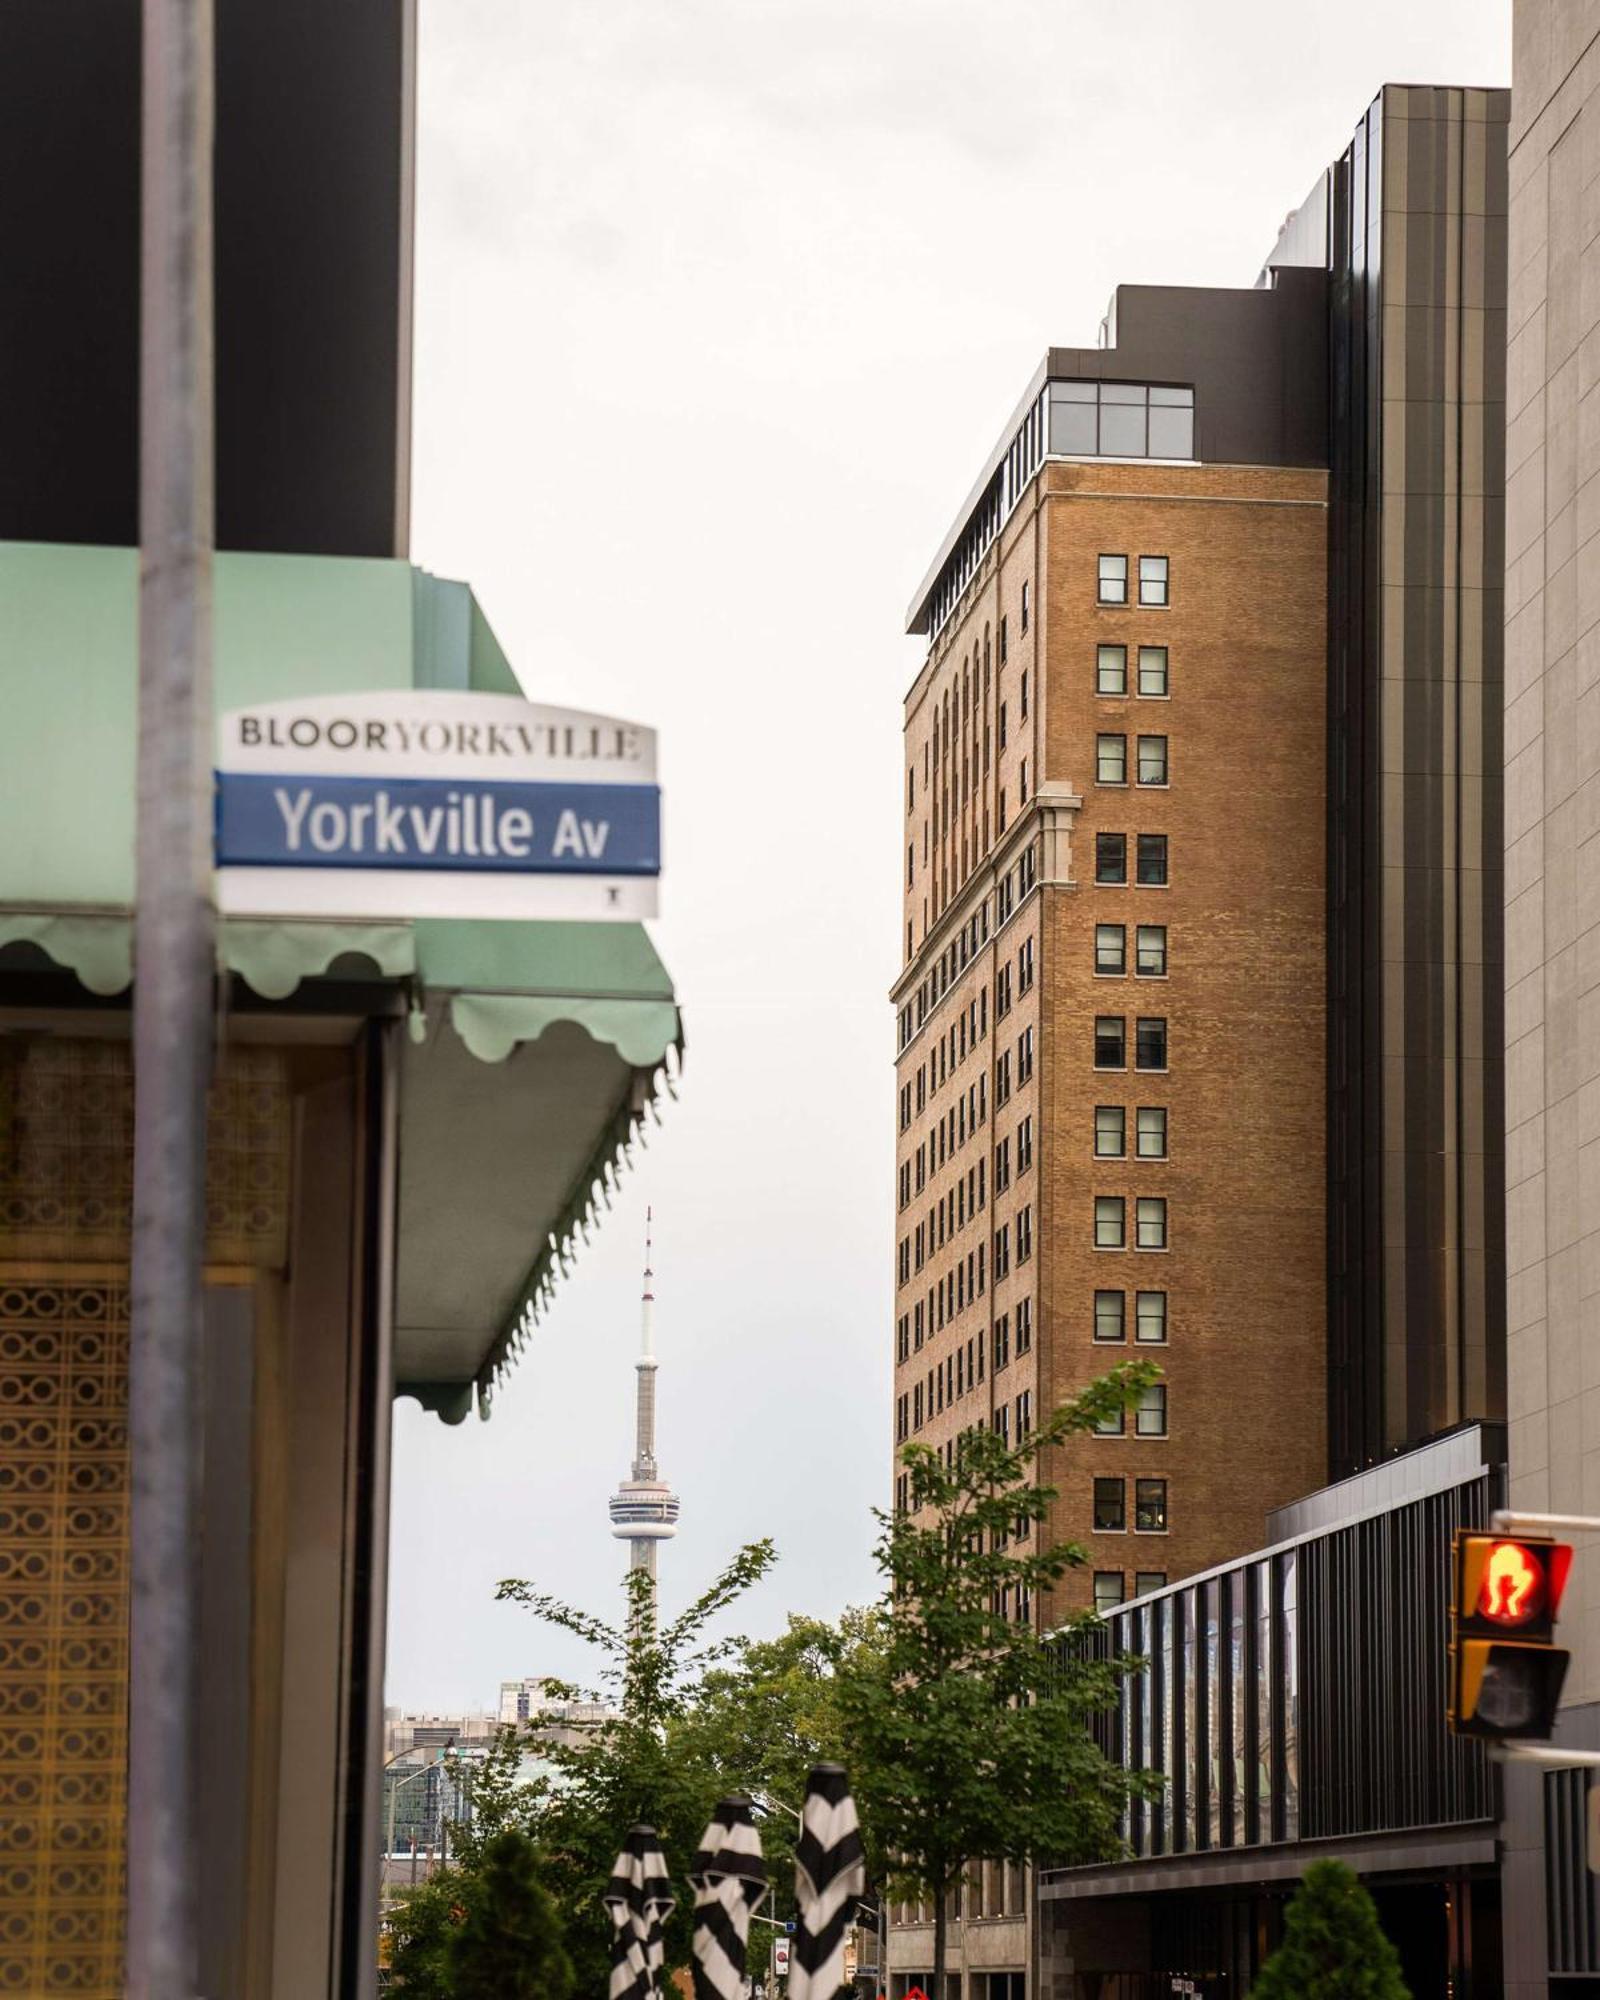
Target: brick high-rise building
(1111, 1013)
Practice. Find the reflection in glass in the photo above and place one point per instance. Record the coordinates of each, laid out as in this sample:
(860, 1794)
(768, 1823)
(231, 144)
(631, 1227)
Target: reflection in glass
(1264, 1700)
(1145, 1697)
(1122, 430)
(1238, 1689)
(1214, 1717)
(1190, 1744)
(1291, 1704)
(1164, 1613)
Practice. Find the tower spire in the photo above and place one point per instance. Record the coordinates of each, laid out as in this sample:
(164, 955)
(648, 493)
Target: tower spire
(644, 1510)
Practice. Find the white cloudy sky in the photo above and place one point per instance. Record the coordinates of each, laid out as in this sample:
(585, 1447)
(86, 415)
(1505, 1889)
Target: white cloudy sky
(719, 305)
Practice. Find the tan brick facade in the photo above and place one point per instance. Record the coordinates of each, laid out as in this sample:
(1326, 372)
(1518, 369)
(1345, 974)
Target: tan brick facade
(1004, 795)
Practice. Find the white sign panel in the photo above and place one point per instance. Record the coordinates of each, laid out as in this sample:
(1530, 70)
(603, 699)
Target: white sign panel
(415, 803)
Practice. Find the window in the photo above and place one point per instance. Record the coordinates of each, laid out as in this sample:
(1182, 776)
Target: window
(1150, 951)
(1120, 420)
(1111, 670)
(1024, 1234)
(1025, 966)
(1152, 760)
(1024, 671)
(1113, 579)
(1150, 1129)
(1153, 579)
(1108, 1590)
(1110, 1135)
(1024, 1414)
(1112, 1425)
(1111, 1505)
(1110, 1033)
(1152, 860)
(1025, 1055)
(1150, 1415)
(1110, 948)
(1150, 1222)
(1146, 1580)
(1025, 1144)
(1002, 1251)
(1111, 760)
(1002, 725)
(1111, 857)
(1002, 1342)
(1150, 1043)
(1110, 1222)
(1153, 671)
(1024, 1325)
(1149, 1506)
(1108, 1316)
(1150, 1318)
(1025, 614)
(1002, 1166)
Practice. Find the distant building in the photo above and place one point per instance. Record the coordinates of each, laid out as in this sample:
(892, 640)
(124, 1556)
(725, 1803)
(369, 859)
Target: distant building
(525, 1701)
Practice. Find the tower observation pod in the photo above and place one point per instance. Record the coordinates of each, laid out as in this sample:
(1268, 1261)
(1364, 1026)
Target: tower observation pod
(644, 1509)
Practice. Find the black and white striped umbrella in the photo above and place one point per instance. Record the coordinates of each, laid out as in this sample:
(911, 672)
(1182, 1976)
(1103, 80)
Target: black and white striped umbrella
(639, 1900)
(830, 1874)
(730, 1878)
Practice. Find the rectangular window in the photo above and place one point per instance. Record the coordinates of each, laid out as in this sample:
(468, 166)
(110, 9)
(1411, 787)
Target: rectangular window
(1002, 1342)
(1150, 1506)
(1110, 1506)
(1025, 1055)
(1110, 1131)
(1024, 1234)
(1151, 1222)
(1153, 574)
(1113, 579)
(1153, 671)
(1150, 951)
(1111, 948)
(1025, 627)
(1146, 1580)
(1150, 1318)
(1122, 419)
(1024, 1414)
(1111, 670)
(1002, 1166)
(1025, 1144)
(1151, 1132)
(1110, 1041)
(1108, 1592)
(1112, 1425)
(1152, 760)
(1111, 857)
(1151, 1043)
(1110, 1222)
(1150, 1417)
(1108, 1316)
(1152, 860)
(1025, 966)
(1171, 423)
(1111, 760)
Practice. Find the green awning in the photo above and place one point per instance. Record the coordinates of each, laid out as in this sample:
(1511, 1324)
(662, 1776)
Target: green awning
(536, 1050)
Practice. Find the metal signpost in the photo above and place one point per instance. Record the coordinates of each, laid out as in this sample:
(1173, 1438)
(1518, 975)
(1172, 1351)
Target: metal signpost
(173, 970)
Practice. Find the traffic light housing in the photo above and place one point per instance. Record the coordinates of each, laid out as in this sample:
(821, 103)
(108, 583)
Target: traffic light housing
(1505, 1669)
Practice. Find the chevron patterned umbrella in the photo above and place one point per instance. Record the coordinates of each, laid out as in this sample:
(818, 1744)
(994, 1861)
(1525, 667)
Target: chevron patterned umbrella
(730, 1879)
(639, 1901)
(830, 1873)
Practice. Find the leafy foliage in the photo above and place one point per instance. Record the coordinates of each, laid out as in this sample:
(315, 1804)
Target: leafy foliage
(509, 1945)
(646, 1763)
(969, 1731)
(1333, 1945)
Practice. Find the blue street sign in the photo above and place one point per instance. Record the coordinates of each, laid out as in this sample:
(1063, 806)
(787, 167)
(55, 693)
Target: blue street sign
(460, 824)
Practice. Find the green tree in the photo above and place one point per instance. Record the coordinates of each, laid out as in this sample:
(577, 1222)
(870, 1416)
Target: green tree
(509, 1945)
(970, 1732)
(1333, 1945)
(642, 1764)
(426, 1921)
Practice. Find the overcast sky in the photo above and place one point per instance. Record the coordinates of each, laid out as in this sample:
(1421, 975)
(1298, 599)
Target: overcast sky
(719, 307)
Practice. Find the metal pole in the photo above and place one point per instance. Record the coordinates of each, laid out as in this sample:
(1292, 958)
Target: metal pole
(1512, 1521)
(173, 971)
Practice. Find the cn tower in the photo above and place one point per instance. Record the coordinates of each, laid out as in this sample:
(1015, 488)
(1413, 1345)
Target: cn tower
(644, 1509)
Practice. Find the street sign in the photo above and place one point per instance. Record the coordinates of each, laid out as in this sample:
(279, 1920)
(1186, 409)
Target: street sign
(780, 1958)
(422, 803)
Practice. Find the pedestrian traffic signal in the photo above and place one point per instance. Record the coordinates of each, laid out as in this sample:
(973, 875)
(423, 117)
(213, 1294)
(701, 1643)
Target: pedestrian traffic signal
(1505, 1669)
